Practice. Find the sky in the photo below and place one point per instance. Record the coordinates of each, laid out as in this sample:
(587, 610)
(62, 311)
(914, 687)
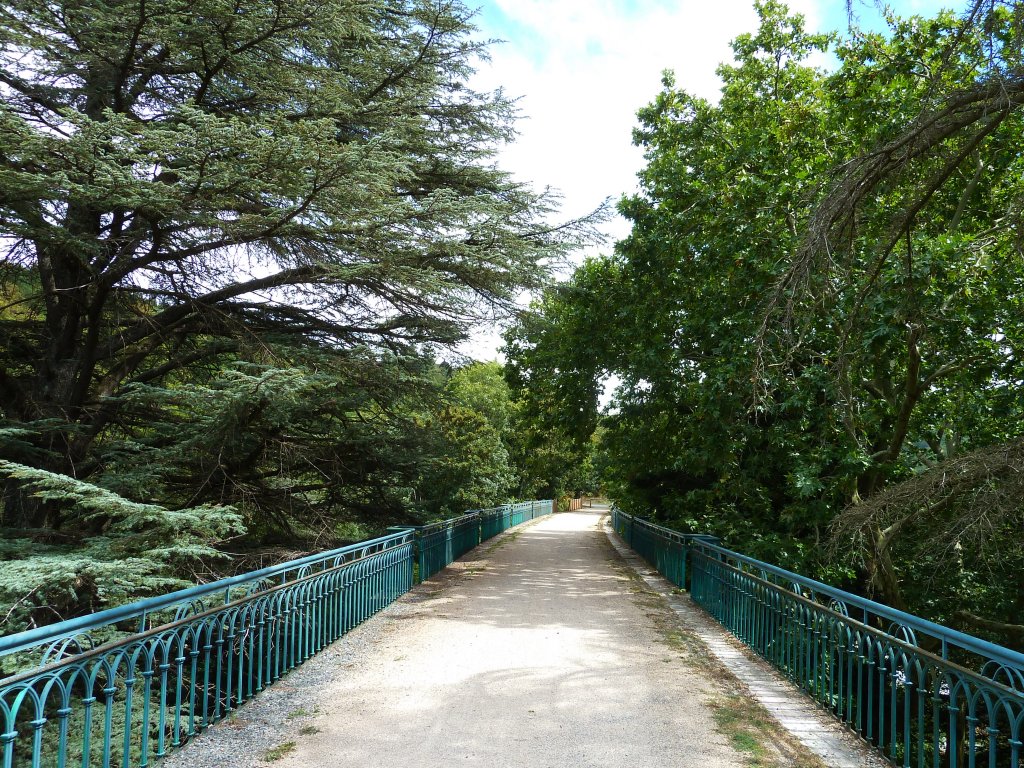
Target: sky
(581, 69)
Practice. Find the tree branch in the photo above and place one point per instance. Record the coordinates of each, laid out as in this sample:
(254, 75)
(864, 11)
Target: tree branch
(1013, 631)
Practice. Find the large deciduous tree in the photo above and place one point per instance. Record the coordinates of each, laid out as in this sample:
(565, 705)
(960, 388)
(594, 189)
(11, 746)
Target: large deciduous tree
(820, 298)
(556, 354)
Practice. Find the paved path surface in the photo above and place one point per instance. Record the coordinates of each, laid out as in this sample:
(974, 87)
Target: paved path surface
(540, 648)
(541, 658)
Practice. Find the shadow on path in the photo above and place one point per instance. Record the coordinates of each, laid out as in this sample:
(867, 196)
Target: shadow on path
(536, 655)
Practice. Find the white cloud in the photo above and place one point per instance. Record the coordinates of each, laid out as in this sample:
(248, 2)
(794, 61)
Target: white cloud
(582, 69)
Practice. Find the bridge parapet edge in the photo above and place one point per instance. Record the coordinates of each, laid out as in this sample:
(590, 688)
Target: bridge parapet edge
(919, 692)
(132, 683)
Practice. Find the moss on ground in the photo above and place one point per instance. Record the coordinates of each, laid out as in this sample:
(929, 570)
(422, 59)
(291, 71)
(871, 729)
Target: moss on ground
(272, 755)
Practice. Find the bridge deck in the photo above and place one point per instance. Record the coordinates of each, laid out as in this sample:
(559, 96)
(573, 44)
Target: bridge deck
(540, 650)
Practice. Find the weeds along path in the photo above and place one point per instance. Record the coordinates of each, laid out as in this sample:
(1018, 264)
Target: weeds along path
(538, 650)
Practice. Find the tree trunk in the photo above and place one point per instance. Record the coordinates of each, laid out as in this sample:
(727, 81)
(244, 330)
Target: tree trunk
(883, 581)
(21, 509)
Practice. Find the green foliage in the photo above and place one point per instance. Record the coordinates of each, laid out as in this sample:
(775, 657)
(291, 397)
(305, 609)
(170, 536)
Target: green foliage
(766, 387)
(234, 238)
(135, 552)
(481, 387)
(245, 178)
(299, 450)
(556, 359)
(471, 466)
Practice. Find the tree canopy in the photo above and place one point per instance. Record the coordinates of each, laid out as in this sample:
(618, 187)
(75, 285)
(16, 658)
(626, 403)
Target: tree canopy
(235, 239)
(819, 300)
(186, 180)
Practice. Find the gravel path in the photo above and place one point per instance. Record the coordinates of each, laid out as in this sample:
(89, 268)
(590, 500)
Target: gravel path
(534, 651)
(539, 656)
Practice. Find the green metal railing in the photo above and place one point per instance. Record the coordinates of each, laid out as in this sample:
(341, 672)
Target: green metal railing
(922, 694)
(441, 543)
(662, 547)
(494, 521)
(125, 686)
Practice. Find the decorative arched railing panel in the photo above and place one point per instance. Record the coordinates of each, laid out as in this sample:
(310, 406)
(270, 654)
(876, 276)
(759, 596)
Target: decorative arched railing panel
(441, 543)
(133, 699)
(126, 686)
(924, 695)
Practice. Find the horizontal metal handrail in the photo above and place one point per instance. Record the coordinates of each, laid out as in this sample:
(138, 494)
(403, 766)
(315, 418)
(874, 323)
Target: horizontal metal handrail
(948, 638)
(450, 522)
(441, 542)
(69, 628)
(491, 511)
(870, 670)
(875, 632)
(944, 635)
(110, 645)
(139, 697)
(128, 697)
(141, 609)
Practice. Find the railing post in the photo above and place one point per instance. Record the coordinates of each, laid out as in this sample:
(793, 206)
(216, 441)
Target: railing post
(414, 556)
(804, 628)
(421, 555)
(683, 557)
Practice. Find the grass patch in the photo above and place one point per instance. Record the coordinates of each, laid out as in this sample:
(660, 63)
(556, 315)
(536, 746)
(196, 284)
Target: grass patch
(300, 712)
(308, 730)
(508, 538)
(747, 736)
(272, 755)
(758, 736)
